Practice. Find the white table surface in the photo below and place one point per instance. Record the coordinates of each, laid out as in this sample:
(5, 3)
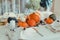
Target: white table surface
(29, 34)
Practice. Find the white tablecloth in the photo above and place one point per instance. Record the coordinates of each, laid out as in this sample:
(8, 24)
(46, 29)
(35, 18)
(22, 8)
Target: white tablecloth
(30, 34)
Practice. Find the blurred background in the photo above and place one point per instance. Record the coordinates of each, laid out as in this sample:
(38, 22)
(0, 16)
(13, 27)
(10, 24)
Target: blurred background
(23, 5)
(19, 5)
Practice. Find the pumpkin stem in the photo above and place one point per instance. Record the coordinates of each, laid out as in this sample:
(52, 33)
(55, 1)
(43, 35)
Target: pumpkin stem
(24, 28)
(28, 18)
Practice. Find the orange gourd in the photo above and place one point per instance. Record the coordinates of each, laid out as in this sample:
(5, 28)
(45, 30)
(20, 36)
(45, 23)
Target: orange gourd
(49, 21)
(31, 22)
(22, 24)
(35, 17)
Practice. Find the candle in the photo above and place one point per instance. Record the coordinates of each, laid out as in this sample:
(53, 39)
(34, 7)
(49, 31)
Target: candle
(13, 5)
(19, 6)
(6, 6)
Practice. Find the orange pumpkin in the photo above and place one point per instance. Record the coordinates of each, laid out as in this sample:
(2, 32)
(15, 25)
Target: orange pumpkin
(49, 20)
(22, 24)
(31, 22)
(34, 17)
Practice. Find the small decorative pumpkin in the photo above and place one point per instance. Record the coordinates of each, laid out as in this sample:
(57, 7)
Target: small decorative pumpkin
(22, 24)
(31, 22)
(35, 17)
(49, 20)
